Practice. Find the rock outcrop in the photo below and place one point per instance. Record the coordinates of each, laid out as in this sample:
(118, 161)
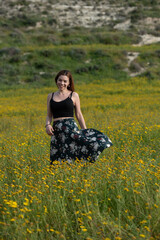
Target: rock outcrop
(120, 15)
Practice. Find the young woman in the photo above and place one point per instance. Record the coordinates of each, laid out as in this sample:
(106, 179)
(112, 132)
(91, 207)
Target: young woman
(68, 143)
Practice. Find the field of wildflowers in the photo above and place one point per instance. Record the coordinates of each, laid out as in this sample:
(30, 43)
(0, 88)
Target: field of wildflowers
(117, 198)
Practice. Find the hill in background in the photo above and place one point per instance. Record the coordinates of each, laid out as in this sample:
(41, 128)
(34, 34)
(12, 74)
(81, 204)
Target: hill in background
(38, 38)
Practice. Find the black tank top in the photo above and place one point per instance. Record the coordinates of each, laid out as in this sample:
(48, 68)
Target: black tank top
(63, 108)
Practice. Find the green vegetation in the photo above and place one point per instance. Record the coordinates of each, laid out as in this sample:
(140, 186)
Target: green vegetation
(37, 65)
(31, 54)
(117, 198)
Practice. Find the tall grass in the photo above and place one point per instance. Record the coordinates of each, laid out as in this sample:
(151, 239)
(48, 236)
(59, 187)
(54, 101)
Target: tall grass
(116, 198)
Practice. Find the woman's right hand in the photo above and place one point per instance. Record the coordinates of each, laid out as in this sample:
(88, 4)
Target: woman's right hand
(49, 130)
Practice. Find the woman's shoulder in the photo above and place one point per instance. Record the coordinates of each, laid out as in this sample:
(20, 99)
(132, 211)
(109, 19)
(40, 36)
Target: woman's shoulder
(75, 94)
(49, 96)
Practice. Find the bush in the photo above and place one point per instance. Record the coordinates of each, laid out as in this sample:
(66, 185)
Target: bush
(135, 67)
(77, 53)
(11, 51)
(24, 20)
(87, 69)
(148, 74)
(157, 53)
(136, 15)
(46, 53)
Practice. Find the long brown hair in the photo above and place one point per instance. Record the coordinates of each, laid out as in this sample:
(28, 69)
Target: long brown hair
(69, 75)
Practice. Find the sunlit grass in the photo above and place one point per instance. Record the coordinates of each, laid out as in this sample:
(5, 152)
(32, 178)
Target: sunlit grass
(116, 198)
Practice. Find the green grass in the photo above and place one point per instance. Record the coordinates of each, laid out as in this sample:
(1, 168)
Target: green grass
(116, 198)
(38, 65)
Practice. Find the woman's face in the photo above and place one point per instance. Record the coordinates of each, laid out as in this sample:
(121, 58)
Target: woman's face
(62, 82)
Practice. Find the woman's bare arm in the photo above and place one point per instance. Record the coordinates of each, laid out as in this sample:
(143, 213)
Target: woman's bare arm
(78, 112)
(49, 129)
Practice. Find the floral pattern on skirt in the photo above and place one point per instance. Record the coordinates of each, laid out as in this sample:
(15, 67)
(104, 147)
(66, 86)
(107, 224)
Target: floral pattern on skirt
(69, 143)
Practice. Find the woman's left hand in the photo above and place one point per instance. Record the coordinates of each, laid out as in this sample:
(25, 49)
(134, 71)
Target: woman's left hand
(49, 130)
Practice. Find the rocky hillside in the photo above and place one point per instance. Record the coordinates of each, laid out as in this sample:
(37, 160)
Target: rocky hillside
(142, 16)
(61, 33)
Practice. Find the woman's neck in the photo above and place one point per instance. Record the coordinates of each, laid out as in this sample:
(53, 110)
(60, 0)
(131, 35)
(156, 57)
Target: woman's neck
(63, 92)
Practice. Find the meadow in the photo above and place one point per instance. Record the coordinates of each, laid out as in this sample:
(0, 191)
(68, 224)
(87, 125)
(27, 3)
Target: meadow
(116, 198)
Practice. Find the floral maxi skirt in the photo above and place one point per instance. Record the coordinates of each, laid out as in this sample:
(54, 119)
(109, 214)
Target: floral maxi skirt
(69, 143)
